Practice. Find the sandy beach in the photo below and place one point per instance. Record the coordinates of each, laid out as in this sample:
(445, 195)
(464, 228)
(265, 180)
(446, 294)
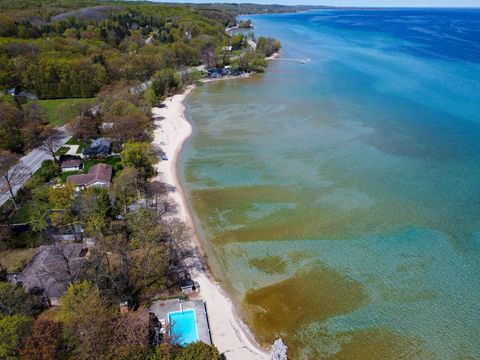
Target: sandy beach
(229, 333)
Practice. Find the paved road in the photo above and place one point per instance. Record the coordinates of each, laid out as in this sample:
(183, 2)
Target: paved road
(28, 165)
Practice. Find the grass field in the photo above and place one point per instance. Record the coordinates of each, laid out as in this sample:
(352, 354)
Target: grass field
(15, 259)
(111, 160)
(61, 111)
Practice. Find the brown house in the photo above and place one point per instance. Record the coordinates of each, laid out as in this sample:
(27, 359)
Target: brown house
(99, 175)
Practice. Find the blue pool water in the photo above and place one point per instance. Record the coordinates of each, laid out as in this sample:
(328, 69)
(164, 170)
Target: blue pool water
(183, 326)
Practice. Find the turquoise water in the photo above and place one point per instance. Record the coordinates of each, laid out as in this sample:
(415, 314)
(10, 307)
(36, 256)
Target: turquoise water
(339, 198)
(183, 326)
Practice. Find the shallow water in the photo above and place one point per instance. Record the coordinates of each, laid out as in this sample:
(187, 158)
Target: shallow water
(339, 199)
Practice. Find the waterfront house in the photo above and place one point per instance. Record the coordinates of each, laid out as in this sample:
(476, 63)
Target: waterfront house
(99, 175)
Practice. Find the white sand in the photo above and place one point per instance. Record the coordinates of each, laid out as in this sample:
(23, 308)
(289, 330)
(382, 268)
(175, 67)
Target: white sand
(229, 333)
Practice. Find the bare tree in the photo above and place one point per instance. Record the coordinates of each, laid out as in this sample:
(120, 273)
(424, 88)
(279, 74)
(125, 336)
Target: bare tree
(52, 141)
(84, 128)
(12, 172)
(156, 190)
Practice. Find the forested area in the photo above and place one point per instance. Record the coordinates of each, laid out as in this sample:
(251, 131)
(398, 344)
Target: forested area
(58, 52)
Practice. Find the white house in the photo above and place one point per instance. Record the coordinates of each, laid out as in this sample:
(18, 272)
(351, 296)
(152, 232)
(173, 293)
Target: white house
(71, 165)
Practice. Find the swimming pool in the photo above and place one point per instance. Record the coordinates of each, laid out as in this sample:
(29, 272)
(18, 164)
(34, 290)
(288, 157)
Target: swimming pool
(183, 326)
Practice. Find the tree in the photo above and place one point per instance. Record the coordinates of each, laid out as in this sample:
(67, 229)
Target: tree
(84, 128)
(166, 82)
(150, 263)
(11, 123)
(95, 210)
(126, 187)
(131, 338)
(32, 111)
(131, 127)
(45, 342)
(267, 46)
(279, 350)
(61, 201)
(14, 329)
(200, 351)
(35, 118)
(15, 300)
(112, 278)
(87, 320)
(52, 141)
(141, 156)
(12, 173)
(252, 61)
(41, 207)
(154, 191)
(114, 106)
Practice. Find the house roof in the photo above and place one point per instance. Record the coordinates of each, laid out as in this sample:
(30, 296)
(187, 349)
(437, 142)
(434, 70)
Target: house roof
(71, 163)
(98, 146)
(97, 173)
(100, 143)
(53, 268)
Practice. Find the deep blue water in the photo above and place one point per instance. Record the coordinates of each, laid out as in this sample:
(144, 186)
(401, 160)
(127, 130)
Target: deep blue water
(363, 159)
(450, 34)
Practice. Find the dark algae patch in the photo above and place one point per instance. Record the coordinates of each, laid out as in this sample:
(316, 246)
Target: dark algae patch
(269, 264)
(279, 310)
(378, 344)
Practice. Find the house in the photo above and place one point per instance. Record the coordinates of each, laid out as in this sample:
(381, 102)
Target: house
(99, 147)
(25, 94)
(52, 269)
(28, 95)
(107, 126)
(227, 48)
(71, 165)
(99, 175)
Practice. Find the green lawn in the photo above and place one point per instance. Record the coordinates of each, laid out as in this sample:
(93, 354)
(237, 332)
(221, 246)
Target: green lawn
(62, 151)
(14, 260)
(73, 141)
(22, 215)
(64, 175)
(61, 111)
(81, 145)
(111, 160)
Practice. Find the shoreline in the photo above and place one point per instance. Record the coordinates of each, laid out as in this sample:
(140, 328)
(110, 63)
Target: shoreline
(229, 333)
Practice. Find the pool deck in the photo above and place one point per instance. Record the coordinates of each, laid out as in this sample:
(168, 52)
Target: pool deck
(163, 307)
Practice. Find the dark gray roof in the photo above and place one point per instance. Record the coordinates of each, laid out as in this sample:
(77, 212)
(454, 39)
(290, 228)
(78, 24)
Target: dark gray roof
(53, 268)
(71, 163)
(100, 143)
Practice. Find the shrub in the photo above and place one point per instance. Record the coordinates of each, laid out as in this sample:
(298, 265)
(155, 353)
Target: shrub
(200, 351)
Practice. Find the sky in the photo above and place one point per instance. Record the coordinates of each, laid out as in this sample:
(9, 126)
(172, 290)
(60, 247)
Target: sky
(378, 3)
